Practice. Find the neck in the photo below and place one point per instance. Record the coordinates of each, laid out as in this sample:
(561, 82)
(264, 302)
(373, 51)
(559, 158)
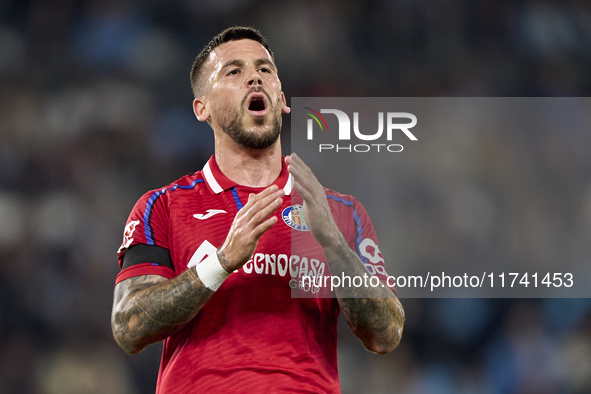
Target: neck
(247, 167)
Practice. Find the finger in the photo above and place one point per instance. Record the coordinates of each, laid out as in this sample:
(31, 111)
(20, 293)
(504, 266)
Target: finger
(298, 161)
(256, 201)
(302, 175)
(266, 211)
(300, 170)
(293, 168)
(304, 192)
(294, 159)
(295, 171)
(261, 228)
(270, 190)
(270, 199)
(305, 181)
(288, 163)
(263, 205)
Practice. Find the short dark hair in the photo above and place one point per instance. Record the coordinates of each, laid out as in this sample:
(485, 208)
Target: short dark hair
(230, 34)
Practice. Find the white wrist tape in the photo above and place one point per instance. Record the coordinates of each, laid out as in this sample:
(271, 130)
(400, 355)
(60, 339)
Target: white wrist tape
(211, 272)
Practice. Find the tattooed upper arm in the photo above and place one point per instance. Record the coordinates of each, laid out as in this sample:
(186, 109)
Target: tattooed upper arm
(133, 284)
(123, 317)
(149, 308)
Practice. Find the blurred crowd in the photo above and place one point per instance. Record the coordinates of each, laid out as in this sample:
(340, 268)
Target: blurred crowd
(95, 109)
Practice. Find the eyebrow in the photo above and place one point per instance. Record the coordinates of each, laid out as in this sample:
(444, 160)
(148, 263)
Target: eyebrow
(235, 62)
(261, 61)
(257, 62)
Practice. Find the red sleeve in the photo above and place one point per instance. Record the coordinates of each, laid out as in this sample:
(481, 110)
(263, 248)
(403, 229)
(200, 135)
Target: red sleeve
(363, 240)
(147, 224)
(144, 269)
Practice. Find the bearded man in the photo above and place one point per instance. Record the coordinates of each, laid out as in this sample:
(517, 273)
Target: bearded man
(206, 262)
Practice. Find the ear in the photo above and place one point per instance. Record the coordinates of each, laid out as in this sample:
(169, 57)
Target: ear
(284, 108)
(200, 109)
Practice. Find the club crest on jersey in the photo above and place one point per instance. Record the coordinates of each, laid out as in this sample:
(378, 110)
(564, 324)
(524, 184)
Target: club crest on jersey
(293, 216)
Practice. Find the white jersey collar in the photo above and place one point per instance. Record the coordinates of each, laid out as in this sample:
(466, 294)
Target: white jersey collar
(218, 182)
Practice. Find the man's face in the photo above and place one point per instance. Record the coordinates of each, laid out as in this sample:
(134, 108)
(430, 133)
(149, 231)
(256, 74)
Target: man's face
(244, 97)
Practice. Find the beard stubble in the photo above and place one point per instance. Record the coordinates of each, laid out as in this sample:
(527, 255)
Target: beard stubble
(237, 131)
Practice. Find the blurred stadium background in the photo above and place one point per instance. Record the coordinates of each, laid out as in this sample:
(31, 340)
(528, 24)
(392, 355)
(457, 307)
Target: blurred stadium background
(95, 109)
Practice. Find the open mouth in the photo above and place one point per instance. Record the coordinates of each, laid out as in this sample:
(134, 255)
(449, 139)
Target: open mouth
(257, 105)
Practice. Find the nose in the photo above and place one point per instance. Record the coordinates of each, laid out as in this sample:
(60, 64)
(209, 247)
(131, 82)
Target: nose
(254, 79)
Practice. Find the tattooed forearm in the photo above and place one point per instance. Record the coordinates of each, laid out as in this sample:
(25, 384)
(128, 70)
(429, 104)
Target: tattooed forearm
(377, 322)
(224, 261)
(149, 308)
(374, 314)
